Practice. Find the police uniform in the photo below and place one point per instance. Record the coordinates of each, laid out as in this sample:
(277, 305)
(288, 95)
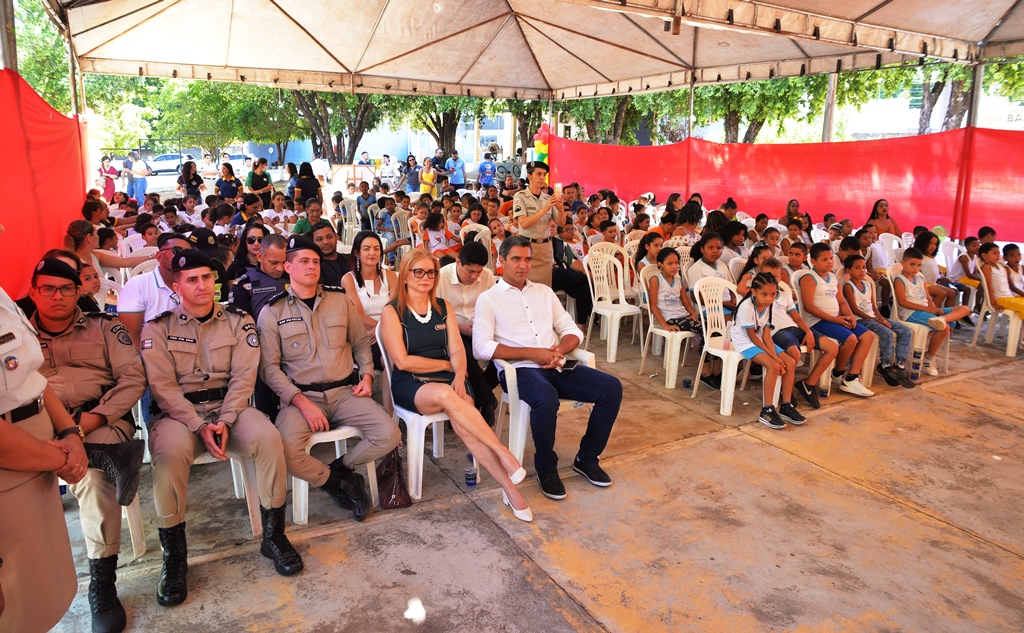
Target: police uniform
(38, 573)
(253, 289)
(94, 367)
(310, 351)
(525, 204)
(202, 372)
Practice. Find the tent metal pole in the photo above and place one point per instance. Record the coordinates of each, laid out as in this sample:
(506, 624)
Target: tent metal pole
(689, 118)
(8, 41)
(977, 88)
(476, 142)
(830, 108)
(72, 80)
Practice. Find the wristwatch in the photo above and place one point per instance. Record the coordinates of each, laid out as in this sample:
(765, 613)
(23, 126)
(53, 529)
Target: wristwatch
(71, 430)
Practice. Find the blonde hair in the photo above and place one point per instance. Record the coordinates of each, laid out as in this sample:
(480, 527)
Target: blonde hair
(76, 234)
(415, 256)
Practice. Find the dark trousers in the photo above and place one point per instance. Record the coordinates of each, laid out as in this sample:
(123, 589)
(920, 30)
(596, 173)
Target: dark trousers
(482, 381)
(542, 388)
(267, 401)
(575, 284)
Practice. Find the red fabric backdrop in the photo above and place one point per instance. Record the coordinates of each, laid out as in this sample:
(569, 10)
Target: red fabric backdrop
(920, 176)
(43, 176)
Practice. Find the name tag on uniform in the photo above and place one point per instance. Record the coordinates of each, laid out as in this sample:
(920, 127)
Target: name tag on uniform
(289, 320)
(257, 291)
(181, 339)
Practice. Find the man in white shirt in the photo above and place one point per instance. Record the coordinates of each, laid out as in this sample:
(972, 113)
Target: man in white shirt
(462, 283)
(524, 323)
(321, 168)
(387, 171)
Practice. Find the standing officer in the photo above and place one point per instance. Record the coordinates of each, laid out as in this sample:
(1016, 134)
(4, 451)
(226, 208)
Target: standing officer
(91, 364)
(309, 334)
(201, 360)
(535, 209)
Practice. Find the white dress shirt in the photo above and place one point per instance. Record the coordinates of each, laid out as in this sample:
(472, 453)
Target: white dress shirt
(146, 293)
(531, 317)
(462, 297)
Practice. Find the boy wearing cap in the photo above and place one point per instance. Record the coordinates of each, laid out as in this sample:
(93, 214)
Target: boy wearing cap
(310, 334)
(535, 209)
(201, 360)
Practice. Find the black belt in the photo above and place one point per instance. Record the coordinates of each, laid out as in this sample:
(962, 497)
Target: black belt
(206, 395)
(321, 387)
(543, 241)
(23, 413)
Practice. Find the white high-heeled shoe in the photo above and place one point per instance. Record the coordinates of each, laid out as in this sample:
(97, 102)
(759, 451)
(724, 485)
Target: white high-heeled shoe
(523, 515)
(518, 476)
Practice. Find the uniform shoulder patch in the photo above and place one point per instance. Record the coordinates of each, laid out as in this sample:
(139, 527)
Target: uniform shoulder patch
(333, 289)
(162, 315)
(242, 278)
(252, 340)
(236, 310)
(100, 315)
(277, 297)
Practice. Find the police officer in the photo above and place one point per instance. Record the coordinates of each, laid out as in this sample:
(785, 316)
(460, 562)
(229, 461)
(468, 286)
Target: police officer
(205, 241)
(201, 361)
(535, 209)
(92, 366)
(310, 334)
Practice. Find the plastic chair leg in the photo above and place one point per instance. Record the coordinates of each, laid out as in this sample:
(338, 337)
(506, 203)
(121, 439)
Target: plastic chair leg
(700, 368)
(645, 346)
(238, 478)
(1013, 335)
(371, 481)
(438, 439)
(672, 360)
(613, 337)
(414, 459)
(300, 501)
(867, 372)
(518, 426)
(730, 367)
(252, 495)
(136, 530)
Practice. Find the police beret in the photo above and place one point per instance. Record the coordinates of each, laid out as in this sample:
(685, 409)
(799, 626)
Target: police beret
(298, 243)
(203, 239)
(52, 267)
(536, 164)
(187, 260)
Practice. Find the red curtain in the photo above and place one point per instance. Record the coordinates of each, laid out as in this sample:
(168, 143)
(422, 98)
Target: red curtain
(924, 178)
(42, 173)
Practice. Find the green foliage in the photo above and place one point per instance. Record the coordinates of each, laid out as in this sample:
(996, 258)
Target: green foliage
(1006, 79)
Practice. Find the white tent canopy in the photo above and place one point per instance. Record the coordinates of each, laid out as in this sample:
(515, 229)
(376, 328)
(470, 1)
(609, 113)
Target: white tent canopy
(525, 49)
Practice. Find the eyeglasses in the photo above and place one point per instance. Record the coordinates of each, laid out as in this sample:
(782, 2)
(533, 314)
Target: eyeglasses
(49, 291)
(420, 273)
(252, 239)
(174, 249)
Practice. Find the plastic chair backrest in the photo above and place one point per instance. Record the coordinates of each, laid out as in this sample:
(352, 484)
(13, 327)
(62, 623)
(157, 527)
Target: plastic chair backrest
(950, 250)
(890, 243)
(893, 272)
(400, 220)
(107, 286)
(748, 222)
(130, 244)
(505, 219)
(631, 248)
(384, 359)
(908, 238)
(819, 235)
(736, 265)
(143, 267)
(645, 283)
(143, 252)
(607, 248)
(795, 281)
(743, 217)
(710, 295)
(472, 228)
(605, 273)
(685, 261)
(594, 239)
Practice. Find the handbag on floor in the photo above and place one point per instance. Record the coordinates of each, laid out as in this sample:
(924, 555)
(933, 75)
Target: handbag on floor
(391, 483)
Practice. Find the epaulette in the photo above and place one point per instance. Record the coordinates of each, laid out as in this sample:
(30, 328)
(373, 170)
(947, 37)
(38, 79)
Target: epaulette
(161, 316)
(331, 289)
(105, 315)
(243, 277)
(236, 310)
(277, 297)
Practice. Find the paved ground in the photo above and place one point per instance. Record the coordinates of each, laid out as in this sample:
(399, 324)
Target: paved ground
(899, 513)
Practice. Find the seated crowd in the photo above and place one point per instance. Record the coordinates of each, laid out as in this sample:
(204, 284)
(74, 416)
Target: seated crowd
(249, 331)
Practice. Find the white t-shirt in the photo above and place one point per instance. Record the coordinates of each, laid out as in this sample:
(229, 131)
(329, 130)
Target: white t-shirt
(956, 269)
(916, 293)
(826, 293)
(669, 303)
(781, 309)
(1017, 277)
(702, 269)
(862, 298)
(146, 293)
(748, 319)
(1000, 284)
(930, 269)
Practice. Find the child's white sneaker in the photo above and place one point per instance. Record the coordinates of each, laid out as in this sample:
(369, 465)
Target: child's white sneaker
(938, 323)
(856, 387)
(930, 368)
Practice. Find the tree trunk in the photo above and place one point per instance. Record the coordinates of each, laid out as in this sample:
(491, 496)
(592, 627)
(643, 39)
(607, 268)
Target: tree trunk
(591, 127)
(929, 96)
(959, 104)
(280, 153)
(732, 126)
(356, 124)
(753, 129)
(615, 134)
(314, 110)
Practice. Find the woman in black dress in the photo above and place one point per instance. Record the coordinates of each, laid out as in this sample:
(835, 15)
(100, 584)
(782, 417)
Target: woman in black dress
(306, 185)
(190, 183)
(430, 371)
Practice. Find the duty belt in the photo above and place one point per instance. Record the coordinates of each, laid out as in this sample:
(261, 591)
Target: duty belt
(23, 413)
(543, 241)
(321, 387)
(206, 395)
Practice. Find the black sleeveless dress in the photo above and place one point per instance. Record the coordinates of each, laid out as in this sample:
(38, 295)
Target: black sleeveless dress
(428, 340)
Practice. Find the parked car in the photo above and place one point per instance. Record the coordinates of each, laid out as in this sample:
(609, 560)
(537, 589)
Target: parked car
(164, 163)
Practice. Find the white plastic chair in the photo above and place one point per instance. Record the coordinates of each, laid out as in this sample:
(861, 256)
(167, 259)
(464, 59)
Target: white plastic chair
(921, 332)
(594, 239)
(819, 235)
(300, 487)
(130, 244)
(890, 243)
(674, 341)
(748, 221)
(144, 267)
(416, 426)
(136, 530)
(709, 293)
(1013, 333)
(736, 265)
(950, 251)
(106, 287)
(609, 297)
(519, 411)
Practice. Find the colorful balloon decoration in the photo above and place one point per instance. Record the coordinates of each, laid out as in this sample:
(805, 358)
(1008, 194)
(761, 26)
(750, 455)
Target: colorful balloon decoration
(540, 143)
(940, 231)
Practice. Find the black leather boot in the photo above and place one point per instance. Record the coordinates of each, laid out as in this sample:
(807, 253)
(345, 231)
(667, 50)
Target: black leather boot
(107, 613)
(333, 487)
(173, 588)
(122, 463)
(275, 544)
(353, 485)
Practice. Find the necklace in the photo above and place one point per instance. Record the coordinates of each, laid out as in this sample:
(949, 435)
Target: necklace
(423, 319)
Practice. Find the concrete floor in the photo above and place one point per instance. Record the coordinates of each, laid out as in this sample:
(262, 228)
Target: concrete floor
(898, 513)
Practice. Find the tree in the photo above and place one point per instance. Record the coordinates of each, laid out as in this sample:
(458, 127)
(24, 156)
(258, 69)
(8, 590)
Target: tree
(338, 120)
(439, 116)
(934, 80)
(529, 116)
(1006, 79)
(755, 103)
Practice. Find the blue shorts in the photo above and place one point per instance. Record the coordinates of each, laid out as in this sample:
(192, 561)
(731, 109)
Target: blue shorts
(751, 352)
(920, 317)
(794, 337)
(839, 332)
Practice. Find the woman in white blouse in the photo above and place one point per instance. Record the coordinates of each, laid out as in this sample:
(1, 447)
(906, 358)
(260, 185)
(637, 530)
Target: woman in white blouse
(370, 283)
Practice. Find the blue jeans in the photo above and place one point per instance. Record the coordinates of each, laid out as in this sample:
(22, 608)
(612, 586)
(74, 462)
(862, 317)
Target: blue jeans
(138, 190)
(888, 344)
(542, 388)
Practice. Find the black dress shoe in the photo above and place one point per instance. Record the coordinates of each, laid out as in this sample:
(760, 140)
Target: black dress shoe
(551, 484)
(592, 472)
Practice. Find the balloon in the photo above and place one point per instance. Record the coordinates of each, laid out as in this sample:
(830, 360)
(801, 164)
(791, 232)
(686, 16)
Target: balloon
(545, 137)
(940, 231)
(545, 127)
(536, 137)
(537, 145)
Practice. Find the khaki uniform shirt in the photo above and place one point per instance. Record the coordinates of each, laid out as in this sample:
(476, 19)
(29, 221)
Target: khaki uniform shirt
(94, 359)
(524, 203)
(306, 346)
(183, 355)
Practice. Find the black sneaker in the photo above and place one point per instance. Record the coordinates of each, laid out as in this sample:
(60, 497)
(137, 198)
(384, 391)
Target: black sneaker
(771, 419)
(756, 372)
(551, 484)
(712, 380)
(967, 321)
(904, 378)
(810, 394)
(789, 413)
(890, 376)
(592, 472)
